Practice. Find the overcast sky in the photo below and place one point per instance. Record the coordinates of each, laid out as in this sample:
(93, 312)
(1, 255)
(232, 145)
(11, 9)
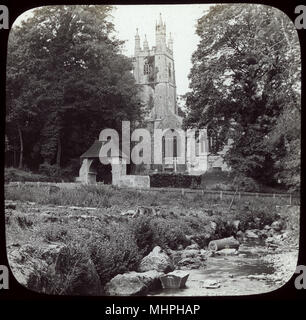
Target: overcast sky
(180, 21)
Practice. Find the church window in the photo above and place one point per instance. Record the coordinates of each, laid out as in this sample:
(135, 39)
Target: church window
(146, 68)
(170, 70)
(163, 146)
(174, 147)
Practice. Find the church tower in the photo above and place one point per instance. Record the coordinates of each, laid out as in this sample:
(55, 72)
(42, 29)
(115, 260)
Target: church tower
(154, 71)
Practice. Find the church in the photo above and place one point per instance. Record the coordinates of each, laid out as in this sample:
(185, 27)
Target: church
(154, 71)
(181, 152)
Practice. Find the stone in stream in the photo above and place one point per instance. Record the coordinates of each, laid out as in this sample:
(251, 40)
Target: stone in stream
(174, 280)
(133, 283)
(227, 252)
(156, 260)
(210, 284)
(225, 243)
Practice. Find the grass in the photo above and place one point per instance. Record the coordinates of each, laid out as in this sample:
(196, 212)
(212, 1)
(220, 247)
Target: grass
(116, 244)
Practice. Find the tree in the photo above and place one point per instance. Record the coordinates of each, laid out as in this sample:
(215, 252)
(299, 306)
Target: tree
(74, 78)
(245, 74)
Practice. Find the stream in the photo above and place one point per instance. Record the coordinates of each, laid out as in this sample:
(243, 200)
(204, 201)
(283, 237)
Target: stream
(241, 274)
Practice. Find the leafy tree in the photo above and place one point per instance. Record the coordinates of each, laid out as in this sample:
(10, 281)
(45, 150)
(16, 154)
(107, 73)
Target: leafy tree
(70, 83)
(245, 78)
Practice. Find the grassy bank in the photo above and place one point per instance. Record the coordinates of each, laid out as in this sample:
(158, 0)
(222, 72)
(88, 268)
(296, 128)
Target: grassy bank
(113, 242)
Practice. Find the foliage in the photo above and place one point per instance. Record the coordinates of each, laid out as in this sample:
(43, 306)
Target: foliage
(79, 83)
(245, 82)
(174, 180)
(118, 254)
(243, 183)
(13, 174)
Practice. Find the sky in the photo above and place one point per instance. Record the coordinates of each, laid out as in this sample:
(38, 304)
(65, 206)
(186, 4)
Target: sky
(180, 21)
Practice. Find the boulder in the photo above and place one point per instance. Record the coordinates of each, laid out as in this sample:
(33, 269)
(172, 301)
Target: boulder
(189, 253)
(277, 225)
(224, 243)
(193, 246)
(210, 284)
(236, 224)
(189, 263)
(29, 264)
(174, 280)
(156, 260)
(251, 234)
(133, 283)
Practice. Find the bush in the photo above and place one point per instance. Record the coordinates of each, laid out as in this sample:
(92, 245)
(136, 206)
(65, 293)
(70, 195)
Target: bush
(17, 175)
(173, 180)
(70, 275)
(117, 254)
(144, 234)
(244, 183)
(168, 234)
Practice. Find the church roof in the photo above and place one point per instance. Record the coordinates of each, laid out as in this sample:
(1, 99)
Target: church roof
(94, 150)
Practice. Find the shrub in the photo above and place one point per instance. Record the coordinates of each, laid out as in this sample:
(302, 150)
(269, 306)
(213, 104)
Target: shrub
(51, 232)
(164, 180)
(168, 234)
(244, 183)
(116, 255)
(144, 234)
(69, 276)
(15, 175)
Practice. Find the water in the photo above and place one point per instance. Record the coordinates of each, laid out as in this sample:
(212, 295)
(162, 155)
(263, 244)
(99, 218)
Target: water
(231, 272)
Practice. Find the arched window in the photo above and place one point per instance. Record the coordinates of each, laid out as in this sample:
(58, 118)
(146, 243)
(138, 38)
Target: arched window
(169, 69)
(146, 68)
(174, 147)
(163, 146)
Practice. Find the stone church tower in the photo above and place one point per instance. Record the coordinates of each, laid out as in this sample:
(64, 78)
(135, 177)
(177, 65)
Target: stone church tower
(154, 71)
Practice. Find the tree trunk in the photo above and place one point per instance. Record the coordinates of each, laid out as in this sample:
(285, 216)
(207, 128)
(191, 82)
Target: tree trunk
(21, 148)
(59, 152)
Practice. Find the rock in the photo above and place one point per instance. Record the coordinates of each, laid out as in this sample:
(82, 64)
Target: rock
(26, 260)
(133, 283)
(266, 227)
(156, 260)
(213, 225)
(189, 253)
(10, 204)
(174, 280)
(227, 252)
(277, 225)
(147, 211)
(128, 213)
(193, 246)
(29, 264)
(210, 284)
(189, 263)
(251, 234)
(224, 243)
(236, 224)
(257, 222)
(239, 234)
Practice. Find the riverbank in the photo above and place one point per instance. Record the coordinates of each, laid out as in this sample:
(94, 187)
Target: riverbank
(115, 236)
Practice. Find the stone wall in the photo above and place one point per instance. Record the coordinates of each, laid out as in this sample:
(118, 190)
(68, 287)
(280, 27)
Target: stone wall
(133, 181)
